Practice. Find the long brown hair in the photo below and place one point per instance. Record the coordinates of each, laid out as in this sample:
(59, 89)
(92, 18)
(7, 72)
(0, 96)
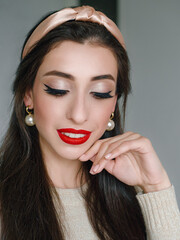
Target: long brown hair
(27, 209)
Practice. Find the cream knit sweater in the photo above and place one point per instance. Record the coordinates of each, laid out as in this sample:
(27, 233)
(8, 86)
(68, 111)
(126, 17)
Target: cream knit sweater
(160, 211)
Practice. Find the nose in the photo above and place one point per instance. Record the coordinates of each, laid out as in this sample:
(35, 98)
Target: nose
(78, 110)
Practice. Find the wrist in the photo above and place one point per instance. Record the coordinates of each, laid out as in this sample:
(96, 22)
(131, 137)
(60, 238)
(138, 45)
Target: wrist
(157, 187)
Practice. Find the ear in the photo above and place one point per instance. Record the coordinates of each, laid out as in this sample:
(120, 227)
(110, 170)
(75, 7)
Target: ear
(28, 99)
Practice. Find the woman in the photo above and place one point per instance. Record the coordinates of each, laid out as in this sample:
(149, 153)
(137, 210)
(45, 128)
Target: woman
(67, 169)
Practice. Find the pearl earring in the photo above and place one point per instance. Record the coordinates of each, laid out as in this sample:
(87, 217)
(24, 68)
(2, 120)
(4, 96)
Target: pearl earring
(111, 124)
(29, 119)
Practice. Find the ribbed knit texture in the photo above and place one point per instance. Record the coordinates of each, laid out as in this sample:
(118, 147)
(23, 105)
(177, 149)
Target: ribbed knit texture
(161, 214)
(160, 211)
(76, 220)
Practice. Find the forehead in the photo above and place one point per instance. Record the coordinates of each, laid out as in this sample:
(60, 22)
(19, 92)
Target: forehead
(76, 58)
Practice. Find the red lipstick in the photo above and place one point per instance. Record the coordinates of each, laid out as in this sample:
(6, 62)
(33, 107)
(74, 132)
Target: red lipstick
(73, 136)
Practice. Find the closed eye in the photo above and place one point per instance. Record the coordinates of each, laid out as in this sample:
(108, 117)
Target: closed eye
(60, 92)
(102, 95)
(55, 92)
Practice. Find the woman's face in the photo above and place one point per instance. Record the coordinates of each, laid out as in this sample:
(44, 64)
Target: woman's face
(73, 97)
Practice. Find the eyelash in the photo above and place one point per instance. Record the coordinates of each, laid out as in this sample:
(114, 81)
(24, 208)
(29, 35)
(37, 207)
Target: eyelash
(59, 92)
(101, 95)
(55, 92)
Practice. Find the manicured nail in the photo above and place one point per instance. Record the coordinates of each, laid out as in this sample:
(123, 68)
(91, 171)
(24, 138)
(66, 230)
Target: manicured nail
(94, 169)
(108, 156)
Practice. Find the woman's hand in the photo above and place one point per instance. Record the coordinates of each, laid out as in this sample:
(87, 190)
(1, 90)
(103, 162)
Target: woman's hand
(131, 158)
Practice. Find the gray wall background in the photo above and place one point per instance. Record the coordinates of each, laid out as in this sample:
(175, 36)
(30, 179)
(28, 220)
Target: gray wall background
(152, 35)
(17, 17)
(151, 29)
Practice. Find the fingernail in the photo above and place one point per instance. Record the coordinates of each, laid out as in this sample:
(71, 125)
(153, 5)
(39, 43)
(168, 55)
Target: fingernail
(94, 168)
(108, 156)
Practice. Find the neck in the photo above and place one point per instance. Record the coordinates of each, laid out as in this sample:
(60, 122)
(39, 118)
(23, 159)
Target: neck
(63, 173)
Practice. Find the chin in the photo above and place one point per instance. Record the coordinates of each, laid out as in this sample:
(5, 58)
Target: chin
(71, 152)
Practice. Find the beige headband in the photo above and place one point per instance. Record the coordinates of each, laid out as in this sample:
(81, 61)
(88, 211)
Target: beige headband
(84, 13)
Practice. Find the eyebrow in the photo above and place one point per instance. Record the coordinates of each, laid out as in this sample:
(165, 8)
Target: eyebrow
(70, 77)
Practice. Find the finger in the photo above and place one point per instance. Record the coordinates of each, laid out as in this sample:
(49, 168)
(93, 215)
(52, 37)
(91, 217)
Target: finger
(138, 145)
(93, 158)
(104, 153)
(114, 145)
(102, 146)
(91, 152)
(132, 143)
(106, 149)
(101, 165)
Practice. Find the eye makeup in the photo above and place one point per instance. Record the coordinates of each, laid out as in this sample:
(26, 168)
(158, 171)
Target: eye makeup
(60, 92)
(55, 92)
(102, 95)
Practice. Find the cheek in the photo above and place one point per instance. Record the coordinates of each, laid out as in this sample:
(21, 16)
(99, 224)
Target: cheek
(102, 113)
(44, 111)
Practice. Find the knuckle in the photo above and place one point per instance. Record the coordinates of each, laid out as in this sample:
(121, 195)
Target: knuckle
(137, 135)
(128, 132)
(146, 140)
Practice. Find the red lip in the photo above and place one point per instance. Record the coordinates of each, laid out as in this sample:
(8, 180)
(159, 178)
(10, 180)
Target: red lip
(73, 141)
